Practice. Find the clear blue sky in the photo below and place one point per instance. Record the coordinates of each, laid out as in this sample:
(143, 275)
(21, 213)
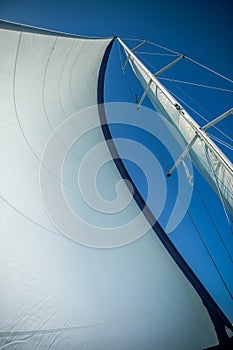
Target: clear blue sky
(201, 30)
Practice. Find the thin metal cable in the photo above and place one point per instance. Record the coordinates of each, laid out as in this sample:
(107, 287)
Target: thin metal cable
(124, 74)
(188, 58)
(155, 53)
(196, 84)
(132, 39)
(200, 115)
(164, 48)
(186, 104)
(147, 62)
(209, 69)
(202, 240)
(220, 141)
(195, 102)
(213, 222)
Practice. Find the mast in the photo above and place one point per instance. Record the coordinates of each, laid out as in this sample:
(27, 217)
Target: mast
(197, 140)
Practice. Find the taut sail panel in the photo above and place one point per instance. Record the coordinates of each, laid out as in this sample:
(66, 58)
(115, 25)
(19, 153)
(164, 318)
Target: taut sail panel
(56, 293)
(206, 156)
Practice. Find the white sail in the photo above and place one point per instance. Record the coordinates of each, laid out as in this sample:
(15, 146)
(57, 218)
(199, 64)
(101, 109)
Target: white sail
(54, 292)
(206, 156)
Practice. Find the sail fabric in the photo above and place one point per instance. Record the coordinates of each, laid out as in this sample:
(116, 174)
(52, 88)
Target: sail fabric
(206, 156)
(54, 292)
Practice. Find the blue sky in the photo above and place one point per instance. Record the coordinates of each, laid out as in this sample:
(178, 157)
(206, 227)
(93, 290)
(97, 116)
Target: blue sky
(199, 29)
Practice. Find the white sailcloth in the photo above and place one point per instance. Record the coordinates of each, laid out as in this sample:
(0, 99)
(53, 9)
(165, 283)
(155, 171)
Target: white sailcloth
(54, 292)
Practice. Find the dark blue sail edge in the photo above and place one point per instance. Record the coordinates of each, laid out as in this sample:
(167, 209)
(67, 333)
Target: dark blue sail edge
(218, 318)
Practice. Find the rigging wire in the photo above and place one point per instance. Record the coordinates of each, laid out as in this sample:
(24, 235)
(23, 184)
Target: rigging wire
(213, 222)
(200, 85)
(200, 115)
(209, 69)
(164, 48)
(196, 84)
(186, 207)
(188, 58)
(186, 104)
(222, 200)
(202, 240)
(155, 53)
(221, 141)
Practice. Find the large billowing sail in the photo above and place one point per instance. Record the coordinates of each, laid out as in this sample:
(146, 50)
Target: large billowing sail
(206, 156)
(57, 293)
